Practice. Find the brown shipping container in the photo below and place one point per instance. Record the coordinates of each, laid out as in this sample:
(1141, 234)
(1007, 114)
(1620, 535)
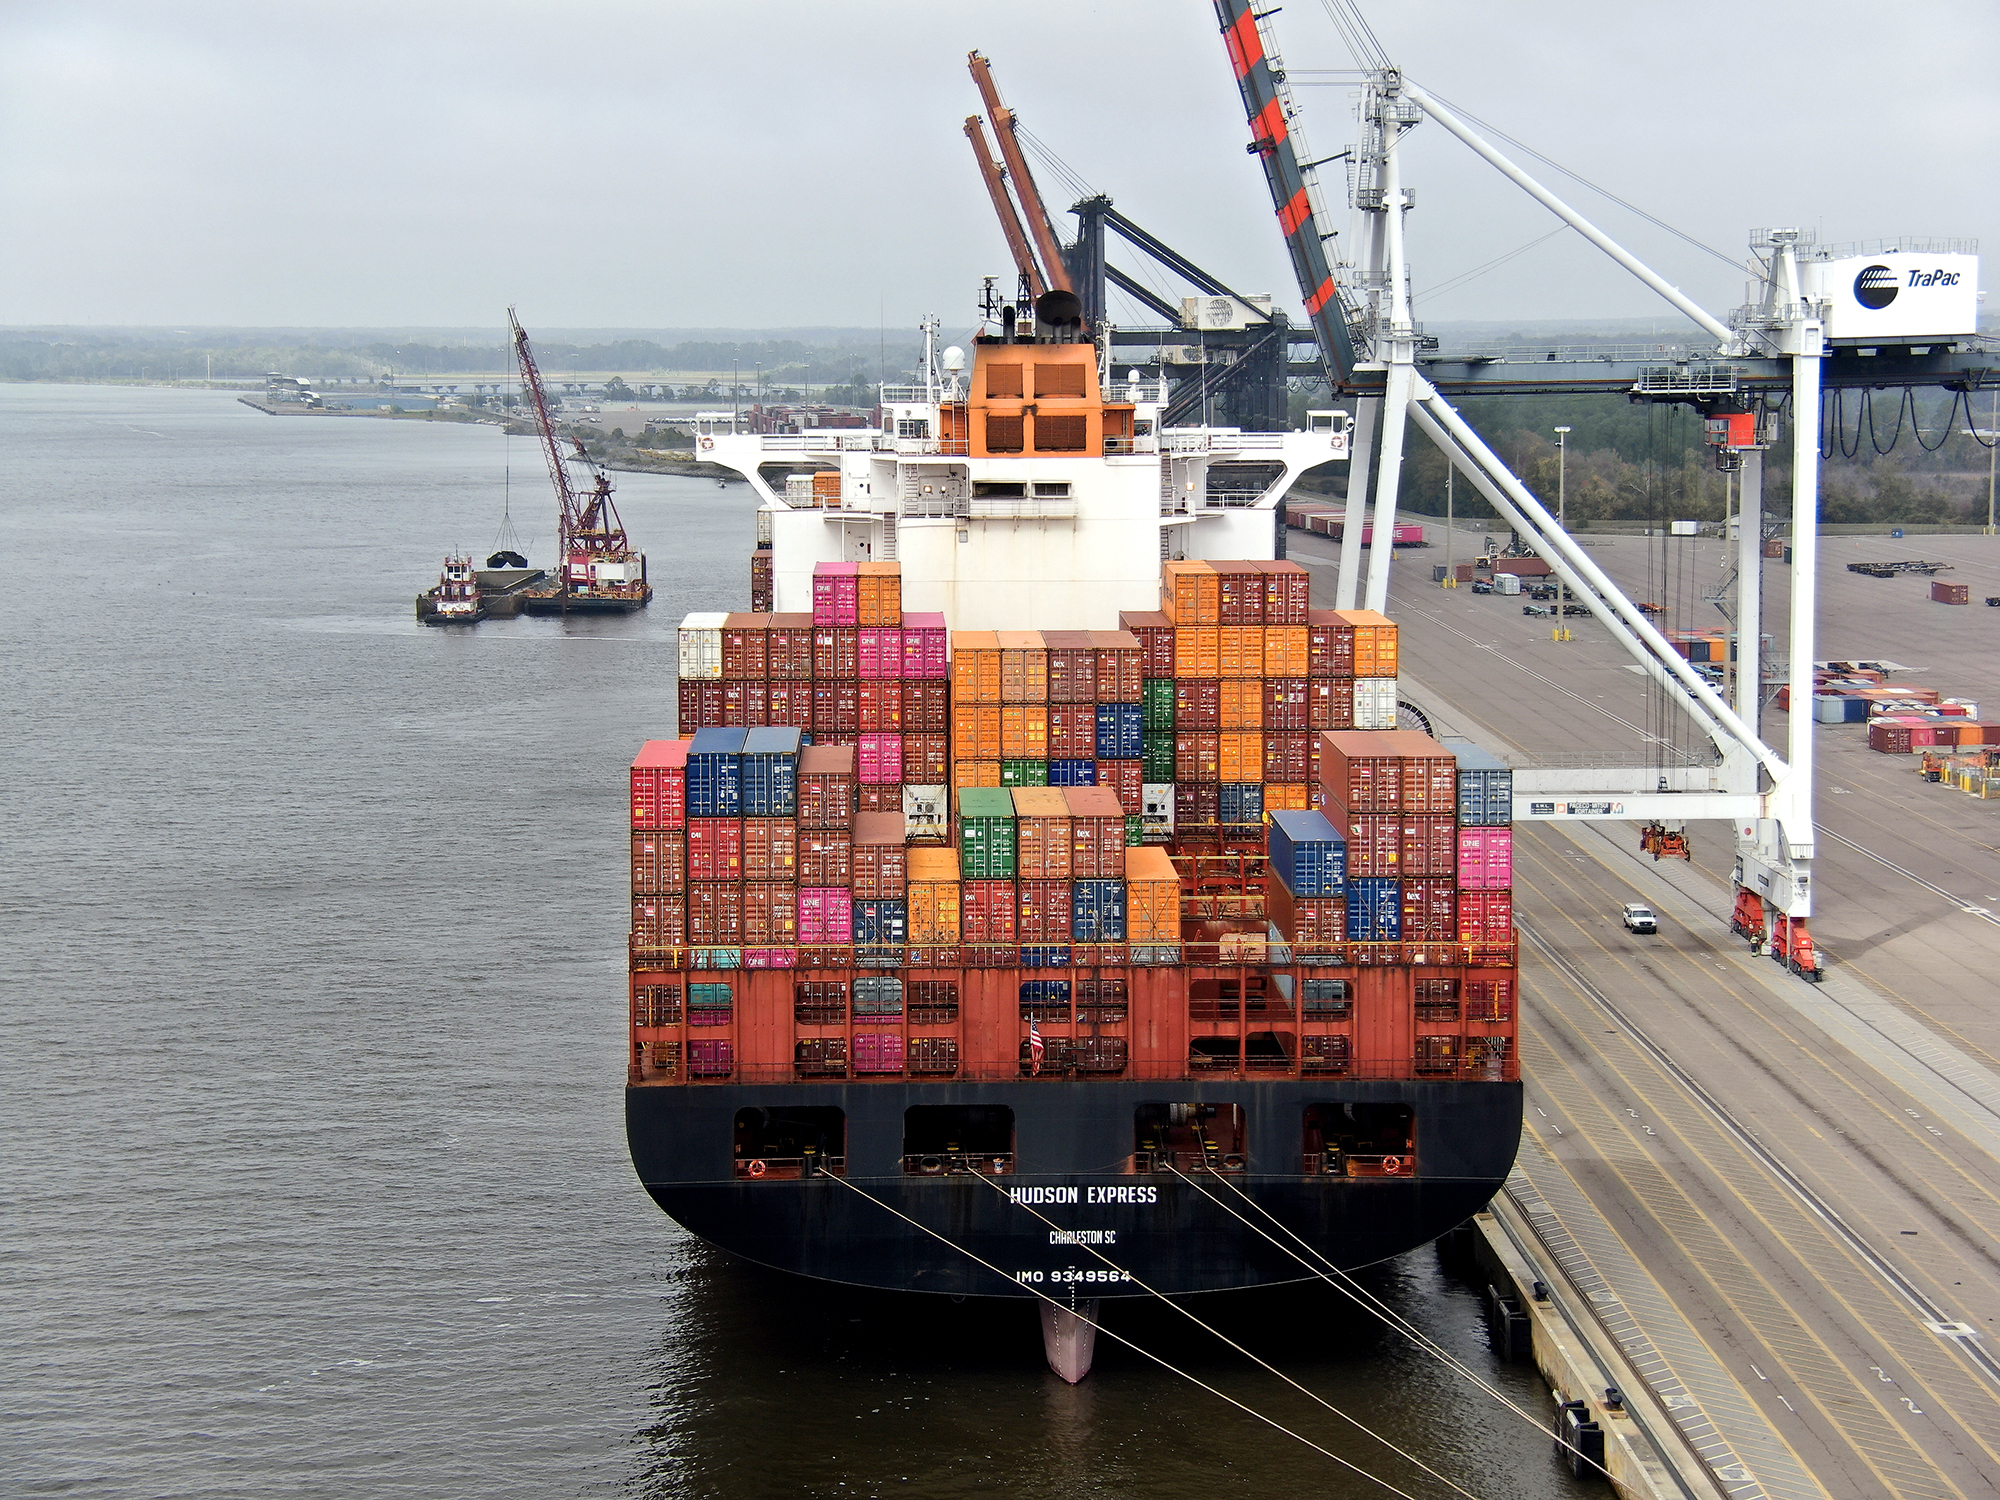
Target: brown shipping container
(1197, 756)
(826, 857)
(1374, 841)
(1329, 703)
(1287, 592)
(659, 863)
(1197, 703)
(1190, 593)
(1430, 846)
(881, 864)
(1430, 911)
(1240, 651)
(926, 759)
(1197, 804)
(700, 706)
(1951, 593)
(1072, 666)
(745, 704)
(1042, 911)
(1239, 593)
(926, 705)
(1024, 667)
(745, 643)
(1197, 651)
(1329, 645)
(715, 849)
(836, 707)
(1284, 704)
(975, 667)
(1242, 703)
(1097, 832)
(770, 915)
(771, 849)
(1362, 772)
(1152, 898)
(1127, 778)
(1287, 757)
(1072, 731)
(791, 703)
(1042, 833)
(880, 705)
(826, 786)
(660, 921)
(1305, 919)
(715, 914)
(986, 911)
(1121, 666)
(836, 652)
(975, 731)
(1155, 635)
(1374, 642)
(789, 647)
(879, 797)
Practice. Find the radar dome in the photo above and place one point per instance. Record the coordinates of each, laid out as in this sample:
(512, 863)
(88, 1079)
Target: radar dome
(954, 359)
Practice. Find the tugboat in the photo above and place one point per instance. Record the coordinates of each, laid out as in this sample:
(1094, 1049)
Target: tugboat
(457, 599)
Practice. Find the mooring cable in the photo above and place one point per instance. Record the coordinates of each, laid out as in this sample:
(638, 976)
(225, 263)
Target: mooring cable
(1164, 1364)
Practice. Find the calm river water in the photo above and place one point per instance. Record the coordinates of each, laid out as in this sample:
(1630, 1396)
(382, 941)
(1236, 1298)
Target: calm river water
(311, 1153)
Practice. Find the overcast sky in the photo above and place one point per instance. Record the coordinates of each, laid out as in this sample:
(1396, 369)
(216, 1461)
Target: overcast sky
(754, 163)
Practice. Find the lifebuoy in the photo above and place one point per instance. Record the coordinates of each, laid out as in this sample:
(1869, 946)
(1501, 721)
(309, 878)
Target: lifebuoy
(708, 442)
(1392, 1164)
(757, 1168)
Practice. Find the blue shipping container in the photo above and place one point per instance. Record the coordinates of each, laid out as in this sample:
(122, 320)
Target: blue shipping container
(1374, 909)
(1044, 994)
(1097, 911)
(1307, 853)
(771, 773)
(715, 774)
(1485, 786)
(1044, 956)
(1121, 731)
(1242, 802)
(882, 922)
(1072, 773)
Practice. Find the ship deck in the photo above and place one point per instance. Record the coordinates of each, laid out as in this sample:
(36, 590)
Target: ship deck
(1778, 1199)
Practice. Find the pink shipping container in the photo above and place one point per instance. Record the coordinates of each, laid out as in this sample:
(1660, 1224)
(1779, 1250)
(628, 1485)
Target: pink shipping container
(836, 593)
(826, 915)
(881, 759)
(770, 958)
(1485, 916)
(924, 649)
(879, 651)
(878, 1052)
(1485, 858)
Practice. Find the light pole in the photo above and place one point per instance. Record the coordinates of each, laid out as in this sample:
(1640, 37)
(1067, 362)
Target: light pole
(1562, 523)
(1992, 440)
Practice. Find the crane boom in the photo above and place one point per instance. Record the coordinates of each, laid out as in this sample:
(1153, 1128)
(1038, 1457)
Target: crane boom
(1032, 209)
(531, 377)
(588, 526)
(1010, 222)
(1270, 138)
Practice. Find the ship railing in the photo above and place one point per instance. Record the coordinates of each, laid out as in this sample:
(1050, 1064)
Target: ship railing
(1346, 1164)
(788, 1168)
(959, 1164)
(1473, 1067)
(1226, 1163)
(842, 440)
(1242, 951)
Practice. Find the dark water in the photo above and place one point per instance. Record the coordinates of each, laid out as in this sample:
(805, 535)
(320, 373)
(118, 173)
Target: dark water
(312, 1174)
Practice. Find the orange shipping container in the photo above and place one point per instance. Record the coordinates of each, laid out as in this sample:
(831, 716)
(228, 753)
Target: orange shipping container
(1374, 641)
(879, 594)
(1024, 731)
(1240, 651)
(1240, 757)
(1242, 703)
(975, 730)
(1197, 651)
(975, 773)
(975, 666)
(1191, 594)
(1152, 897)
(934, 896)
(1042, 837)
(1024, 667)
(1285, 650)
(1286, 796)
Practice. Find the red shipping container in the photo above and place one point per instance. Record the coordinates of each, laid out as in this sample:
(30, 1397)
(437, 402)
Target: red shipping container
(927, 706)
(836, 653)
(925, 654)
(884, 796)
(1374, 842)
(659, 864)
(881, 864)
(1361, 772)
(1121, 666)
(770, 849)
(1072, 731)
(715, 849)
(744, 643)
(1197, 757)
(700, 705)
(1042, 911)
(880, 705)
(926, 759)
(836, 593)
(1329, 703)
(745, 704)
(1072, 666)
(788, 648)
(1430, 846)
(660, 921)
(791, 704)
(1242, 592)
(1287, 755)
(1485, 916)
(770, 914)
(986, 911)
(881, 759)
(1287, 593)
(1430, 911)
(1197, 703)
(1329, 645)
(1889, 739)
(1285, 704)
(659, 784)
(826, 917)
(1126, 780)
(826, 856)
(1305, 920)
(1097, 833)
(1155, 634)
(826, 786)
(715, 914)
(1197, 805)
(836, 708)
(879, 651)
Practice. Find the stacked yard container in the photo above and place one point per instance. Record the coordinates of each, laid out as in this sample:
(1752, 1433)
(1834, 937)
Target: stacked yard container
(1305, 889)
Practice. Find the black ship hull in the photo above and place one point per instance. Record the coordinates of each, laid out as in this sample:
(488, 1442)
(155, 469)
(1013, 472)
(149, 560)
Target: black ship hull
(1073, 1183)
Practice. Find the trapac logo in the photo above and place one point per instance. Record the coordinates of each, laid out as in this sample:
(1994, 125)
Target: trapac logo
(1875, 287)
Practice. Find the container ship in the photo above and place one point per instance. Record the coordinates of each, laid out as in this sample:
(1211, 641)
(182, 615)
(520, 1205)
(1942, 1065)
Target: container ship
(1033, 869)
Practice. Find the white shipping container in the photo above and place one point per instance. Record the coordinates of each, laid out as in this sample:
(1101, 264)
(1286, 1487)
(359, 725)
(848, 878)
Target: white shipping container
(1374, 703)
(701, 647)
(1506, 583)
(927, 813)
(1156, 809)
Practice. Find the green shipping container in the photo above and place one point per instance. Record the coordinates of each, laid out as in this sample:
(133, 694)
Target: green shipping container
(1157, 757)
(1135, 830)
(1156, 705)
(986, 833)
(1024, 773)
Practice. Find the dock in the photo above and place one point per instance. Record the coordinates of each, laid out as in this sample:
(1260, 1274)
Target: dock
(1776, 1206)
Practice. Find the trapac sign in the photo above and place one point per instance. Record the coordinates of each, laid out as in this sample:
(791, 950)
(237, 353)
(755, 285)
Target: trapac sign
(1896, 294)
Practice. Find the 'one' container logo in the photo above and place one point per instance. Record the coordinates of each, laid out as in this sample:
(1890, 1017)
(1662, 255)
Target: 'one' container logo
(1875, 287)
